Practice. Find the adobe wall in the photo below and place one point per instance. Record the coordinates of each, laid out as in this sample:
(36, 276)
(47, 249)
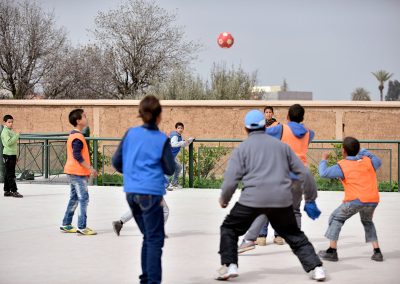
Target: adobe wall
(209, 119)
(218, 119)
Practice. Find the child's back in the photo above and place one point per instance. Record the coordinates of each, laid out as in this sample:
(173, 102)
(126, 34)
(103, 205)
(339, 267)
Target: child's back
(265, 163)
(357, 174)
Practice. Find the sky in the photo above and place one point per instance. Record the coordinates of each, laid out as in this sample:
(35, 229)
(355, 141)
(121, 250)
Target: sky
(328, 47)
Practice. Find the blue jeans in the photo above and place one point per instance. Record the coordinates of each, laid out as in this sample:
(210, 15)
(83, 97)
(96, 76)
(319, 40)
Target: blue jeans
(344, 212)
(148, 213)
(178, 169)
(79, 195)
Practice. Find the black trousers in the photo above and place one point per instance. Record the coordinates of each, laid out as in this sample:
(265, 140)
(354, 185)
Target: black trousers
(282, 220)
(10, 161)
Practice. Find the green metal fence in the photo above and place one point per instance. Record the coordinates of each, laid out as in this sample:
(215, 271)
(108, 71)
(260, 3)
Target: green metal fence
(205, 165)
(388, 150)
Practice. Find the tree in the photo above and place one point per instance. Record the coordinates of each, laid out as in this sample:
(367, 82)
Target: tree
(81, 73)
(360, 94)
(28, 44)
(143, 45)
(393, 93)
(231, 84)
(181, 84)
(382, 76)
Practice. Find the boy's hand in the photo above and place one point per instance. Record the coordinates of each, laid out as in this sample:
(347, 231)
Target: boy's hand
(222, 203)
(325, 155)
(190, 140)
(93, 172)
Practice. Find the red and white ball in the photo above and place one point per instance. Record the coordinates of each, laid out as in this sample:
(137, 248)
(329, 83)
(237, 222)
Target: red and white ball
(225, 40)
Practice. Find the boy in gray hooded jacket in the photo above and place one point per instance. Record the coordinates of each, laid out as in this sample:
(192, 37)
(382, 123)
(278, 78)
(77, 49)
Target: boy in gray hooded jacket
(263, 164)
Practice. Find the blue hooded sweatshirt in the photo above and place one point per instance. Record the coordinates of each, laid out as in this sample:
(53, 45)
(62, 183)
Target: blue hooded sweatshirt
(298, 129)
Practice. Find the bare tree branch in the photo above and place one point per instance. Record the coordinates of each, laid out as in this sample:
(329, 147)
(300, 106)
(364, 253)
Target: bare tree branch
(143, 44)
(28, 42)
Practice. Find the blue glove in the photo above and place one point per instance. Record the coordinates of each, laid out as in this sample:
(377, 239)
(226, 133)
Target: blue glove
(312, 210)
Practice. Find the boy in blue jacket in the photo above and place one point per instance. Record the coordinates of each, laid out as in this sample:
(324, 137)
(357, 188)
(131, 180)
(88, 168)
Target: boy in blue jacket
(144, 156)
(177, 142)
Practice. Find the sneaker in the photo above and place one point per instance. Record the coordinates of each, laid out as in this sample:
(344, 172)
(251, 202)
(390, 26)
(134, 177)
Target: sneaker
(172, 187)
(68, 229)
(8, 193)
(117, 226)
(377, 256)
(279, 240)
(261, 241)
(246, 245)
(17, 194)
(86, 232)
(224, 273)
(329, 256)
(318, 273)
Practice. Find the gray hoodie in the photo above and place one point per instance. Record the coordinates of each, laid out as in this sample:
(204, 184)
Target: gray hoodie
(263, 163)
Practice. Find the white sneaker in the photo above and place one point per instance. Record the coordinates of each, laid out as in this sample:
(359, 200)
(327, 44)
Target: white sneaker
(224, 273)
(318, 273)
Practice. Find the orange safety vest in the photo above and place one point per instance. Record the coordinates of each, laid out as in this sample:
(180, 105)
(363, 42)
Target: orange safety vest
(298, 145)
(72, 166)
(359, 180)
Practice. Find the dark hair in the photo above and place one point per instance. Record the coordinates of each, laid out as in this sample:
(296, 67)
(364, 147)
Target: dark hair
(149, 109)
(179, 124)
(269, 107)
(296, 113)
(7, 117)
(75, 115)
(351, 145)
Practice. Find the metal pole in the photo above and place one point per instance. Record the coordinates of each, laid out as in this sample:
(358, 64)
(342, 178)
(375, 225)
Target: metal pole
(398, 167)
(46, 158)
(95, 151)
(1, 158)
(191, 165)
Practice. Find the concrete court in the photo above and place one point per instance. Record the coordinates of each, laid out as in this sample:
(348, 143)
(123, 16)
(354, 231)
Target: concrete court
(32, 250)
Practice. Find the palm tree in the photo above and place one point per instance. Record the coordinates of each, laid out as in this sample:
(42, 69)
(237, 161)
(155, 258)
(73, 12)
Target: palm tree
(382, 76)
(360, 94)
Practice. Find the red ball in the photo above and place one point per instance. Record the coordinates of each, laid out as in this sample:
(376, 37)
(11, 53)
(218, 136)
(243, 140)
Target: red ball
(225, 40)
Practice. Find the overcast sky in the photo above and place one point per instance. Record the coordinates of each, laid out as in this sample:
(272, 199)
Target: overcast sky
(328, 47)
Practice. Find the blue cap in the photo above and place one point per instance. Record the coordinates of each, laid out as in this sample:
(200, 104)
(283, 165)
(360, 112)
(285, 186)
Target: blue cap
(254, 119)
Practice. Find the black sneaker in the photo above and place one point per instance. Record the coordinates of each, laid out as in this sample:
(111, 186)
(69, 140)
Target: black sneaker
(329, 256)
(117, 226)
(377, 256)
(8, 193)
(17, 194)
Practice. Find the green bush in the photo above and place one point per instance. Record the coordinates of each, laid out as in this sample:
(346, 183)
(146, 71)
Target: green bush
(209, 157)
(110, 179)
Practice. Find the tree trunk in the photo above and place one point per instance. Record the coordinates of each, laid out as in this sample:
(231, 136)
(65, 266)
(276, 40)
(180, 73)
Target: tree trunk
(381, 91)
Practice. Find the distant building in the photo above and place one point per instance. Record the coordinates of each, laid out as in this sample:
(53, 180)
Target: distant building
(276, 93)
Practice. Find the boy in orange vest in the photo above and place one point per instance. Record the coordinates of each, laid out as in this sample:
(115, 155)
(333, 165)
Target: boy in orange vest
(357, 172)
(78, 170)
(298, 137)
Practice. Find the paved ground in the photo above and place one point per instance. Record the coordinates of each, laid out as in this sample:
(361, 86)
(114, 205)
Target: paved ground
(32, 250)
